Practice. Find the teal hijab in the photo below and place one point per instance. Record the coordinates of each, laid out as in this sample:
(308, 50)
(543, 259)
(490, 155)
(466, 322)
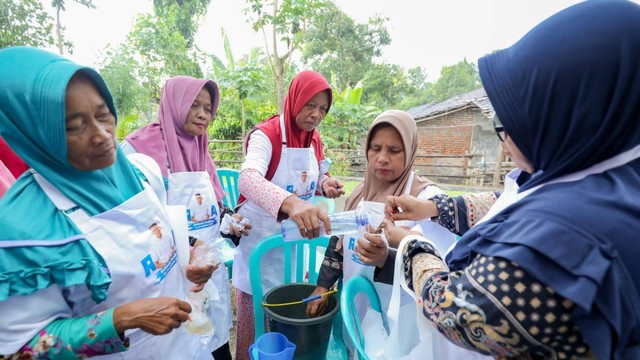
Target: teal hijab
(39, 245)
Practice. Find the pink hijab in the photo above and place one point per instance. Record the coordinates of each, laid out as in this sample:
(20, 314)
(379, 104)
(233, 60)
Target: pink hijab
(167, 141)
(6, 179)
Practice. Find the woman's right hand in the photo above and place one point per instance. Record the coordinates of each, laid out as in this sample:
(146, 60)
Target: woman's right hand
(317, 307)
(307, 216)
(157, 316)
(407, 207)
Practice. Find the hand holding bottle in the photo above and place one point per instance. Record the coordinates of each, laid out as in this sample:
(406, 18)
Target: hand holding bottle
(308, 218)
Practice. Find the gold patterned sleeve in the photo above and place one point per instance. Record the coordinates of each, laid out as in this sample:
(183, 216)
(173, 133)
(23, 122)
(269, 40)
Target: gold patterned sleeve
(494, 307)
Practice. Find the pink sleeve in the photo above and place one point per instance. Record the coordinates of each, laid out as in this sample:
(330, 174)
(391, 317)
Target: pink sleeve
(261, 191)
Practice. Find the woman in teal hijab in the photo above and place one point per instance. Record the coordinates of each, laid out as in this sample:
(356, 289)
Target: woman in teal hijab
(65, 291)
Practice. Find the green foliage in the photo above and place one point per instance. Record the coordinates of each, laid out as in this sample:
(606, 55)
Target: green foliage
(129, 96)
(335, 44)
(128, 124)
(185, 13)
(154, 51)
(25, 22)
(285, 21)
(348, 120)
(247, 81)
(454, 80)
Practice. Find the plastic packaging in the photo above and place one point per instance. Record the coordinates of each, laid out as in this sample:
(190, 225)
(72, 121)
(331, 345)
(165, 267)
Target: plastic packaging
(325, 165)
(224, 249)
(229, 220)
(346, 222)
(199, 319)
(199, 322)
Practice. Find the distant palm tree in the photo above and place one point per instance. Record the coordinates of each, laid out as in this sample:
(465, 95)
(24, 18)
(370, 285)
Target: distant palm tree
(59, 5)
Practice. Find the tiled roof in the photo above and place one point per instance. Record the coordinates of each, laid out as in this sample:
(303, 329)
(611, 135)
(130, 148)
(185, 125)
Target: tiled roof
(476, 97)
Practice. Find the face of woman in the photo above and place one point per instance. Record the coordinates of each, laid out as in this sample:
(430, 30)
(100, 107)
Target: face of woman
(313, 112)
(90, 127)
(511, 150)
(386, 154)
(199, 116)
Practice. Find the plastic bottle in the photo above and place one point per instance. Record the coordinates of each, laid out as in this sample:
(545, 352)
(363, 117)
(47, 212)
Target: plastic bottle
(346, 222)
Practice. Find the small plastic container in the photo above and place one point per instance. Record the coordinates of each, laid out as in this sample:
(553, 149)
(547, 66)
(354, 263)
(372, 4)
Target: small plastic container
(342, 223)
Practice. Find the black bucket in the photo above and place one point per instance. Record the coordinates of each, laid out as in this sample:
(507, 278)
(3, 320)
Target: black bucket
(311, 335)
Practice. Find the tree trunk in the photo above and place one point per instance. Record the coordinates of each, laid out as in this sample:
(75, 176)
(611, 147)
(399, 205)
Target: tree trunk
(58, 31)
(243, 121)
(279, 84)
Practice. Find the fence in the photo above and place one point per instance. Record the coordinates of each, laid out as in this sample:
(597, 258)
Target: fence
(464, 170)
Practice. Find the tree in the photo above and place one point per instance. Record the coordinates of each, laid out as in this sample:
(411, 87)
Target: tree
(59, 6)
(286, 21)
(454, 80)
(335, 44)
(25, 22)
(187, 14)
(246, 77)
(348, 120)
(137, 69)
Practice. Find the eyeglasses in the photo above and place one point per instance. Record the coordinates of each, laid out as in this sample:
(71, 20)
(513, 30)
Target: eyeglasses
(497, 125)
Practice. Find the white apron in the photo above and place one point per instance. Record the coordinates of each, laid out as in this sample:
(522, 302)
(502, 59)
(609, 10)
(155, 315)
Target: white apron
(183, 187)
(142, 263)
(293, 161)
(352, 266)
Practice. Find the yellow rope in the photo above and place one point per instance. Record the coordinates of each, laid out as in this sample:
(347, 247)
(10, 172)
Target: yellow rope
(301, 301)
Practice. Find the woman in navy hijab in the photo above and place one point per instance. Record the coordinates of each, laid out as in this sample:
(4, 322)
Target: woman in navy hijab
(555, 274)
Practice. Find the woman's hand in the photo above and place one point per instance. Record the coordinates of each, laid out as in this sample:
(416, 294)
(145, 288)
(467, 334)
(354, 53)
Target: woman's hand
(200, 266)
(407, 207)
(157, 316)
(373, 250)
(307, 216)
(317, 307)
(200, 274)
(332, 188)
(242, 230)
(395, 234)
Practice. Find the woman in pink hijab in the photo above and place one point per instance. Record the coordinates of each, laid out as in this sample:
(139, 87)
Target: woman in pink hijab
(178, 143)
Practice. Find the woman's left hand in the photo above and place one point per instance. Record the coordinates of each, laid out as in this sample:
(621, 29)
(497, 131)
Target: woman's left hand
(395, 234)
(373, 250)
(197, 273)
(332, 188)
(242, 230)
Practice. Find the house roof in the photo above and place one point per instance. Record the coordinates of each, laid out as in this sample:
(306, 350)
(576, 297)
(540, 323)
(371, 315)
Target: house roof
(476, 97)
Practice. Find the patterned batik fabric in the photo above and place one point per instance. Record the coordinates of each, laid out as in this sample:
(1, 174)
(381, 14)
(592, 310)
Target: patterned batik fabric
(495, 307)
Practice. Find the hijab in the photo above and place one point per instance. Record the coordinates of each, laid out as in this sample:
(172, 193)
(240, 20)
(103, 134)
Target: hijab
(303, 87)
(372, 189)
(39, 245)
(166, 141)
(568, 93)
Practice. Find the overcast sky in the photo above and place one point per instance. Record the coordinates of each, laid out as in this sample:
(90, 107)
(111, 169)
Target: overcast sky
(425, 33)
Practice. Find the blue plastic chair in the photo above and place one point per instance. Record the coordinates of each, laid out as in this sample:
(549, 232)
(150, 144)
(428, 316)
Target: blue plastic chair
(330, 204)
(336, 348)
(350, 317)
(229, 181)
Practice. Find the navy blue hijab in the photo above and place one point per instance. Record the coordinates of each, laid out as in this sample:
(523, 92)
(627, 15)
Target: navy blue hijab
(568, 94)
